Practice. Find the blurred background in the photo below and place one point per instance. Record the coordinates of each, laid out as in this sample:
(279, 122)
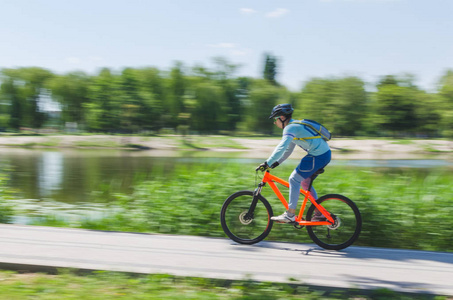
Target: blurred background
(374, 69)
(361, 67)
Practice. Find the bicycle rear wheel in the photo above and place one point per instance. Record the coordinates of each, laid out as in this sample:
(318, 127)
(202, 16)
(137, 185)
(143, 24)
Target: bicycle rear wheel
(240, 227)
(347, 226)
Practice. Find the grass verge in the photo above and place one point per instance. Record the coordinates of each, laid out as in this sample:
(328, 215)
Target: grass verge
(69, 284)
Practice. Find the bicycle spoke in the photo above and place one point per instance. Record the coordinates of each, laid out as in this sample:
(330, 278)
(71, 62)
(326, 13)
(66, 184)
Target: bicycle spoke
(237, 223)
(328, 233)
(346, 228)
(242, 228)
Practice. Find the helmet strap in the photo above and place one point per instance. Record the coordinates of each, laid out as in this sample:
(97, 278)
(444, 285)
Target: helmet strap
(283, 122)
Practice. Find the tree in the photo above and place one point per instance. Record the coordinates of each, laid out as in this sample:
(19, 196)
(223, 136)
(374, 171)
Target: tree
(270, 69)
(207, 115)
(349, 105)
(27, 84)
(71, 91)
(231, 106)
(337, 103)
(262, 98)
(131, 101)
(12, 95)
(213, 100)
(177, 87)
(396, 108)
(316, 101)
(446, 103)
(154, 94)
(428, 114)
(387, 80)
(103, 110)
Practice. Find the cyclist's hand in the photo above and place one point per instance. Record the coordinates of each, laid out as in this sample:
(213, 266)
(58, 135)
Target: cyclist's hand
(274, 165)
(263, 167)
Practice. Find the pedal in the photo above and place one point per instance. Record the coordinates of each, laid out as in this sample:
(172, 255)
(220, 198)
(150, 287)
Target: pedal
(297, 225)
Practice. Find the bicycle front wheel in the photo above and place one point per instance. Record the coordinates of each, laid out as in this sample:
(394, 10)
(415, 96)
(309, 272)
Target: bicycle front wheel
(239, 225)
(347, 226)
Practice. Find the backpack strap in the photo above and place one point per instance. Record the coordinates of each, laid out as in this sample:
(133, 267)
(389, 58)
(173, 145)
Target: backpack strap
(307, 138)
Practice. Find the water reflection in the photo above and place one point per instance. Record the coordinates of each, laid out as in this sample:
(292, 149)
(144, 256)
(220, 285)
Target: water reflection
(71, 175)
(50, 172)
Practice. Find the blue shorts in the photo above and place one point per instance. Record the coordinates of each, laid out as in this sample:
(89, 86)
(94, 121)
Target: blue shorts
(310, 164)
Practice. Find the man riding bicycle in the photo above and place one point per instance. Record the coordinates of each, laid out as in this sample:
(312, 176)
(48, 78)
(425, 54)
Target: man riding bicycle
(318, 156)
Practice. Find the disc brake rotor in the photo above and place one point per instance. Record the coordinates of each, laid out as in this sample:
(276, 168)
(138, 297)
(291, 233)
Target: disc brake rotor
(336, 224)
(243, 219)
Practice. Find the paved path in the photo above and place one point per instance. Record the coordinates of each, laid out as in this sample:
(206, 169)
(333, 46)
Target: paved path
(359, 267)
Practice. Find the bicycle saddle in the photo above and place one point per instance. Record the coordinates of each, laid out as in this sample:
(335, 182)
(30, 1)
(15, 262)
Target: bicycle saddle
(320, 171)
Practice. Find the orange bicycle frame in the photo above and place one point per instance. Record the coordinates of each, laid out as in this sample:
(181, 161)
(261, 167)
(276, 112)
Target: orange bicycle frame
(271, 180)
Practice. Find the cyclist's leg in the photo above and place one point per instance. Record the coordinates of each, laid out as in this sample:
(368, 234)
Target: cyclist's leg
(306, 183)
(295, 183)
(307, 167)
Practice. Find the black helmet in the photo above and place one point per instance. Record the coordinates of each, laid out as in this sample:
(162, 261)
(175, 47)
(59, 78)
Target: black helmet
(281, 110)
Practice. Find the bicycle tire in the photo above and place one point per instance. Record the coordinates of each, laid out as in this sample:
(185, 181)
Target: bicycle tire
(239, 229)
(349, 223)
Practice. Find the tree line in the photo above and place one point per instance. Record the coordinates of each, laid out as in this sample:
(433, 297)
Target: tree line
(215, 101)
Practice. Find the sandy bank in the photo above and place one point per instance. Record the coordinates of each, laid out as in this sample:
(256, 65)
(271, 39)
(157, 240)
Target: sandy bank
(249, 147)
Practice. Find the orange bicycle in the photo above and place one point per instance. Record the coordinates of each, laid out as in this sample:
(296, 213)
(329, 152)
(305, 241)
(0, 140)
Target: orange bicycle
(246, 216)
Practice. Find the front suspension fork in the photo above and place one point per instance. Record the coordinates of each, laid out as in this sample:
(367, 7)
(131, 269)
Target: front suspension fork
(256, 193)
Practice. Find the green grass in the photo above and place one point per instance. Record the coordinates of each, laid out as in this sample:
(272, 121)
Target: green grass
(345, 150)
(97, 144)
(431, 148)
(403, 142)
(49, 142)
(6, 197)
(401, 208)
(68, 284)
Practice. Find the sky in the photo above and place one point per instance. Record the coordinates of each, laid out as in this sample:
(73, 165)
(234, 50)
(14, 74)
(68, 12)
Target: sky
(310, 38)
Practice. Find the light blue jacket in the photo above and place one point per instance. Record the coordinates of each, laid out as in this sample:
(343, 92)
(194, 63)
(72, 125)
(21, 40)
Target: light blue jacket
(283, 150)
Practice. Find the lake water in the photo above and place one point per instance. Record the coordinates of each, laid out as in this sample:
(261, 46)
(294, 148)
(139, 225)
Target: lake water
(69, 176)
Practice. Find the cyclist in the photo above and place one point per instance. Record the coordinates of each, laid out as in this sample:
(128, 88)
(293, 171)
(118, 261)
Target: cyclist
(318, 156)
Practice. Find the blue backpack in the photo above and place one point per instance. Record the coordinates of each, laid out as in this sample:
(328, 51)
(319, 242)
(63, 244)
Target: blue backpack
(320, 130)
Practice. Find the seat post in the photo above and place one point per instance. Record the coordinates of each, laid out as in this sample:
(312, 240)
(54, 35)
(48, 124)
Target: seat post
(313, 177)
